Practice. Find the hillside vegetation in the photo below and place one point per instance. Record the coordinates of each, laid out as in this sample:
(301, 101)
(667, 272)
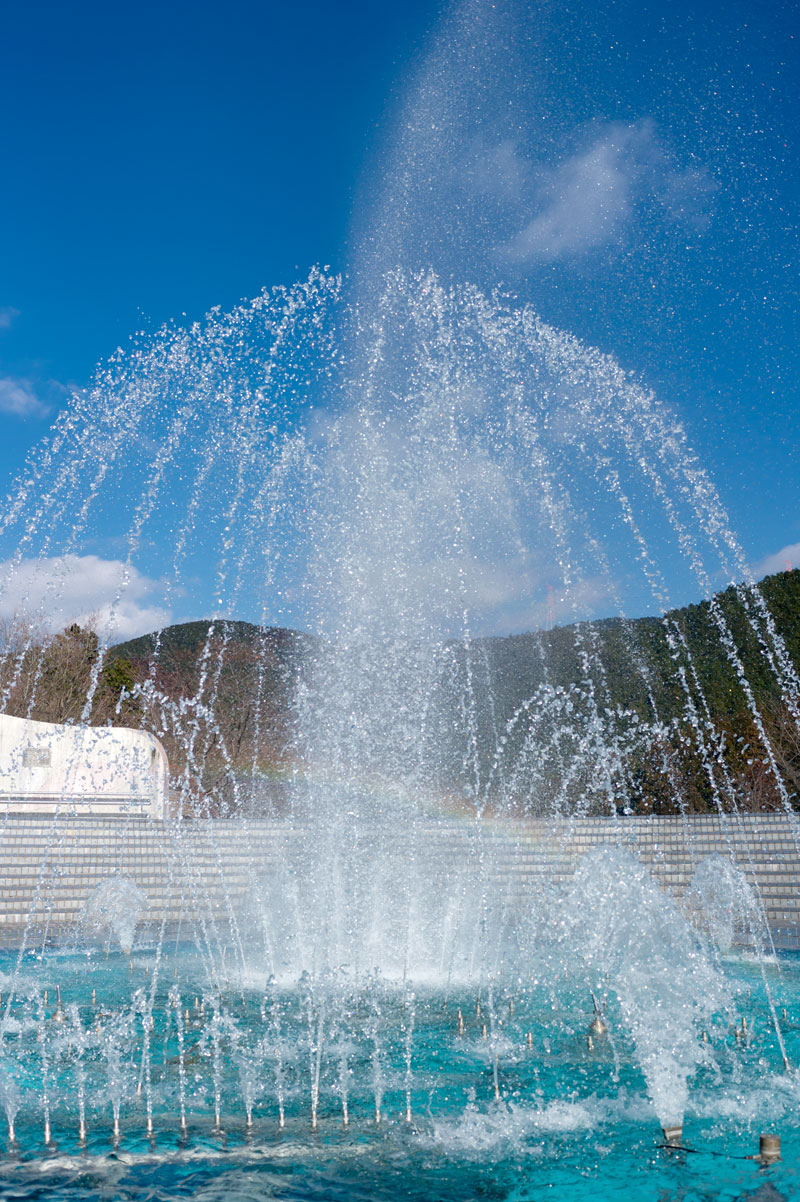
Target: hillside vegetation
(698, 738)
(649, 715)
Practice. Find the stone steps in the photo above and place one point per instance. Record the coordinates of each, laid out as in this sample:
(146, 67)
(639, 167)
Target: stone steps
(49, 867)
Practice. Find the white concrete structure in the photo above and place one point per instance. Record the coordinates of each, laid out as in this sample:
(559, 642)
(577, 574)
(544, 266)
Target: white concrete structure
(84, 769)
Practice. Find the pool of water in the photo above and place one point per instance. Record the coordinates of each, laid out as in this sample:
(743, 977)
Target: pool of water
(324, 1089)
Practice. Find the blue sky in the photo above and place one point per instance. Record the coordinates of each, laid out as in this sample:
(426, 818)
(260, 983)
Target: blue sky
(164, 158)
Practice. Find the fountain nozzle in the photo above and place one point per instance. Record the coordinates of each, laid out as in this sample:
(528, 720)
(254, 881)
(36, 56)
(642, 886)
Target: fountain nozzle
(769, 1149)
(673, 1136)
(597, 1025)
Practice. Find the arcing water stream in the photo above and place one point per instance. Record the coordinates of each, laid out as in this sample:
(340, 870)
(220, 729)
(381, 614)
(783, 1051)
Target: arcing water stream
(373, 981)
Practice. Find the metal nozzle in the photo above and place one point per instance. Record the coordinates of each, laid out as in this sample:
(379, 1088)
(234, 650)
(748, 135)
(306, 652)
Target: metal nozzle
(597, 1026)
(769, 1149)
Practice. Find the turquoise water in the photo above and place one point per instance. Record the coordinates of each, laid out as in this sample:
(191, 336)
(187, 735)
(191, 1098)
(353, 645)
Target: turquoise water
(514, 1106)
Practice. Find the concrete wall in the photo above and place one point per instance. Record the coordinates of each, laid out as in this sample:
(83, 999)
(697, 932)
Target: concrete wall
(85, 769)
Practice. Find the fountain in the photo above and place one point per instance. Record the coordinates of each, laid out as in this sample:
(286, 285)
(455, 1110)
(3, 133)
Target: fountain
(359, 942)
(112, 911)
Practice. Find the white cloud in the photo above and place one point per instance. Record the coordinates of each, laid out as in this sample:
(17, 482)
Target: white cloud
(7, 315)
(58, 590)
(780, 561)
(589, 199)
(582, 206)
(525, 606)
(497, 171)
(18, 399)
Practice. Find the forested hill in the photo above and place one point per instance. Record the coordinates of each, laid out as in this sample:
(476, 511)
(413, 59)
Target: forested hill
(673, 681)
(632, 658)
(632, 661)
(681, 704)
(180, 648)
